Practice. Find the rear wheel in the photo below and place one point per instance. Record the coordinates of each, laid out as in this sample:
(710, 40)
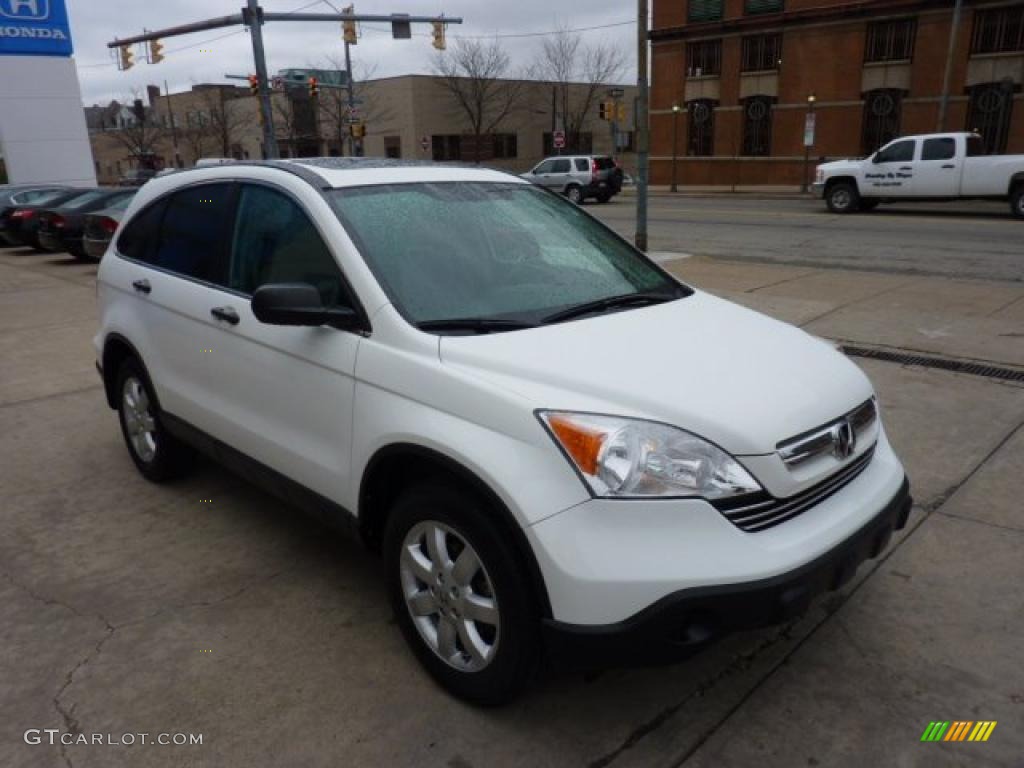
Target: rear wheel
(574, 193)
(1017, 201)
(459, 594)
(158, 455)
(842, 197)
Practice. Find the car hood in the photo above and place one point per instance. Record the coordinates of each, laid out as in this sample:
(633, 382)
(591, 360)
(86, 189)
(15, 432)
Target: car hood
(719, 370)
(839, 166)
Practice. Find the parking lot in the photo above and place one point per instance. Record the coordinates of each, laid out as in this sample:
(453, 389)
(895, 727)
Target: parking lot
(207, 607)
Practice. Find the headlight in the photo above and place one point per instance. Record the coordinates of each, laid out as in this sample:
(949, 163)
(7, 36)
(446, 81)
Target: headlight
(621, 457)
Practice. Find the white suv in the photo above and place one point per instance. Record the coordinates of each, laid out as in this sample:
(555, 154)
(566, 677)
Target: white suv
(557, 447)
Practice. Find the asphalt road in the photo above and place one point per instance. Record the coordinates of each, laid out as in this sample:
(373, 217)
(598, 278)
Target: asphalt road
(965, 239)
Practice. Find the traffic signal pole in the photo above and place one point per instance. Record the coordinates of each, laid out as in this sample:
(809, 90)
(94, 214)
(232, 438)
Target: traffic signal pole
(253, 16)
(642, 136)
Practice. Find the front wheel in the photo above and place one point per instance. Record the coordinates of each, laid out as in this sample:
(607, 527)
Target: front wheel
(459, 594)
(842, 197)
(574, 193)
(1017, 201)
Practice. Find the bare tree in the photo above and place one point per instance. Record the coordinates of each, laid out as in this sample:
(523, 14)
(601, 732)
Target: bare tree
(477, 76)
(223, 119)
(333, 102)
(579, 73)
(195, 138)
(141, 136)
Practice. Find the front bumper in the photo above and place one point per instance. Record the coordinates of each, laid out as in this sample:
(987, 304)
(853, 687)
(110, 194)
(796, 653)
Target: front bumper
(818, 189)
(685, 621)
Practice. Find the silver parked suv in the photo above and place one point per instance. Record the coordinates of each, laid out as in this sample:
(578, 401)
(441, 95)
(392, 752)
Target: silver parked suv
(578, 177)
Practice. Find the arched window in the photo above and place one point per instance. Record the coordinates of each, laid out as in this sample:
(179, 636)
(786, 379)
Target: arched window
(757, 126)
(881, 118)
(989, 114)
(701, 119)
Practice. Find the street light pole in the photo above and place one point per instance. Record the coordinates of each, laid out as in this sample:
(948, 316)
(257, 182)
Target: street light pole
(675, 144)
(254, 16)
(809, 130)
(642, 137)
(944, 98)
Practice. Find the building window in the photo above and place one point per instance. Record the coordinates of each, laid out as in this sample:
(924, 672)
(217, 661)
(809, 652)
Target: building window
(757, 126)
(763, 6)
(701, 120)
(890, 40)
(988, 114)
(881, 118)
(625, 141)
(446, 148)
(393, 147)
(582, 143)
(704, 10)
(505, 146)
(999, 30)
(761, 53)
(704, 57)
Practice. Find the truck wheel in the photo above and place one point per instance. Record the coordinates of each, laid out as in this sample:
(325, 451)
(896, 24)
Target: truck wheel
(842, 197)
(1017, 201)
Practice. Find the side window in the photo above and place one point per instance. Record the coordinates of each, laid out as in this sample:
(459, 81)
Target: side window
(975, 146)
(900, 152)
(275, 242)
(191, 239)
(938, 149)
(560, 166)
(544, 167)
(582, 164)
(138, 238)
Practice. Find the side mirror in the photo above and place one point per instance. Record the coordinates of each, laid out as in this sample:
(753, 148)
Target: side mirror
(876, 158)
(298, 304)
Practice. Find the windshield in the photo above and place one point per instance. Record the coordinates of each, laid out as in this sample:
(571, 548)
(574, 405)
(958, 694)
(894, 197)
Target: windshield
(497, 251)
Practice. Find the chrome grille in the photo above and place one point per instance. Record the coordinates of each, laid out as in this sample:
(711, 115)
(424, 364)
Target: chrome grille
(757, 511)
(822, 440)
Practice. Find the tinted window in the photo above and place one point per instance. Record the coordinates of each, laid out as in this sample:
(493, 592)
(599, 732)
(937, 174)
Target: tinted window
(604, 163)
(560, 166)
(275, 242)
(83, 200)
(191, 239)
(582, 164)
(975, 146)
(34, 195)
(544, 167)
(938, 149)
(900, 152)
(138, 238)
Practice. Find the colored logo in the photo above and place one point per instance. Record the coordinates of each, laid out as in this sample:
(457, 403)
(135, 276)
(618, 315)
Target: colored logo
(958, 730)
(25, 10)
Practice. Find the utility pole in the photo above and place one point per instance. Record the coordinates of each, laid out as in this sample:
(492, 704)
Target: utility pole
(642, 137)
(355, 144)
(944, 98)
(174, 129)
(253, 16)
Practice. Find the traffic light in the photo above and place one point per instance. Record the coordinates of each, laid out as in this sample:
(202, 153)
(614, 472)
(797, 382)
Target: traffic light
(254, 85)
(127, 57)
(606, 110)
(358, 130)
(349, 28)
(156, 51)
(620, 112)
(439, 42)
(314, 87)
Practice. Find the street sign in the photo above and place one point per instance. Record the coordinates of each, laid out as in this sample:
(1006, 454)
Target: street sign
(558, 140)
(425, 143)
(809, 125)
(616, 93)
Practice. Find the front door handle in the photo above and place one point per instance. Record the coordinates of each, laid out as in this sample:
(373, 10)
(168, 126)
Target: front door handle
(227, 314)
(142, 286)
(949, 166)
(907, 168)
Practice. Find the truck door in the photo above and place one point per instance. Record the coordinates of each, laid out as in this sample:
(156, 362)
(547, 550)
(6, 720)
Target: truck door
(890, 173)
(938, 172)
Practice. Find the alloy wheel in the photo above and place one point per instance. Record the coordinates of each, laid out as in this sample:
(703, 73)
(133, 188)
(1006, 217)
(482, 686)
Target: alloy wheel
(449, 595)
(138, 419)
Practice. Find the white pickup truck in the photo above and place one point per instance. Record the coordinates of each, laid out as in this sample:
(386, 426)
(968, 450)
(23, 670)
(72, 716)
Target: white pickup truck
(937, 166)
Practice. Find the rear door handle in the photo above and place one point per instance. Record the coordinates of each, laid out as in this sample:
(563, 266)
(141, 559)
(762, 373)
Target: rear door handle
(227, 314)
(949, 166)
(142, 286)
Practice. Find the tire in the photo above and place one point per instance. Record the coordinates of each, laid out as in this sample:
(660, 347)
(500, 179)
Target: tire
(505, 651)
(868, 205)
(575, 194)
(1017, 201)
(159, 456)
(842, 197)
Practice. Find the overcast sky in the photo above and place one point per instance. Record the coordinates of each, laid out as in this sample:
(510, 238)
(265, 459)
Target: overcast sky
(199, 58)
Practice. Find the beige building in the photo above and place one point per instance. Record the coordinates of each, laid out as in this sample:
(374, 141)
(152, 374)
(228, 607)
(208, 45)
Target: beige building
(412, 117)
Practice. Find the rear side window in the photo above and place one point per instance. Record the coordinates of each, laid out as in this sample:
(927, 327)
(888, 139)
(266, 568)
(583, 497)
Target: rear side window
(138, 238)
(560, 166)
(975, 146)
(938, 149)
(604, 163)
(192, 232)
(274, 241)
(582, 164)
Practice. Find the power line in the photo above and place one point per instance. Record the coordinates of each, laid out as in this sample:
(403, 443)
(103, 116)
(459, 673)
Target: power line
(546, 33)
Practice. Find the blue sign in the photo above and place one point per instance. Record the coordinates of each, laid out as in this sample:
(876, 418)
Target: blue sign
(34, 28)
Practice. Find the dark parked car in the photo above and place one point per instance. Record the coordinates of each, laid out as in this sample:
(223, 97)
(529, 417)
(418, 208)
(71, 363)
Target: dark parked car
(16, 195)
(20, 225)
(60, 228)
(100, 227)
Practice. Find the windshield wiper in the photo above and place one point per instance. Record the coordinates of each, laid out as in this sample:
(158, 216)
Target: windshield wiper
(611, 302)
(474, 325)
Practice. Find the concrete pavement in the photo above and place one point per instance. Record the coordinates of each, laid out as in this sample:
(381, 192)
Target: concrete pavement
(208, 607)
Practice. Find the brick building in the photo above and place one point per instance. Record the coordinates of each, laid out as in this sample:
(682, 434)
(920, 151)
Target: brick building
(740, 74)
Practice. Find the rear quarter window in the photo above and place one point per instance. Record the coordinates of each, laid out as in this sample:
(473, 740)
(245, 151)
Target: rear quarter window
(604, 163)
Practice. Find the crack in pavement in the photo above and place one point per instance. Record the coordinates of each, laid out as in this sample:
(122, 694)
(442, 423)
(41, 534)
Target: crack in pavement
(831, 609)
